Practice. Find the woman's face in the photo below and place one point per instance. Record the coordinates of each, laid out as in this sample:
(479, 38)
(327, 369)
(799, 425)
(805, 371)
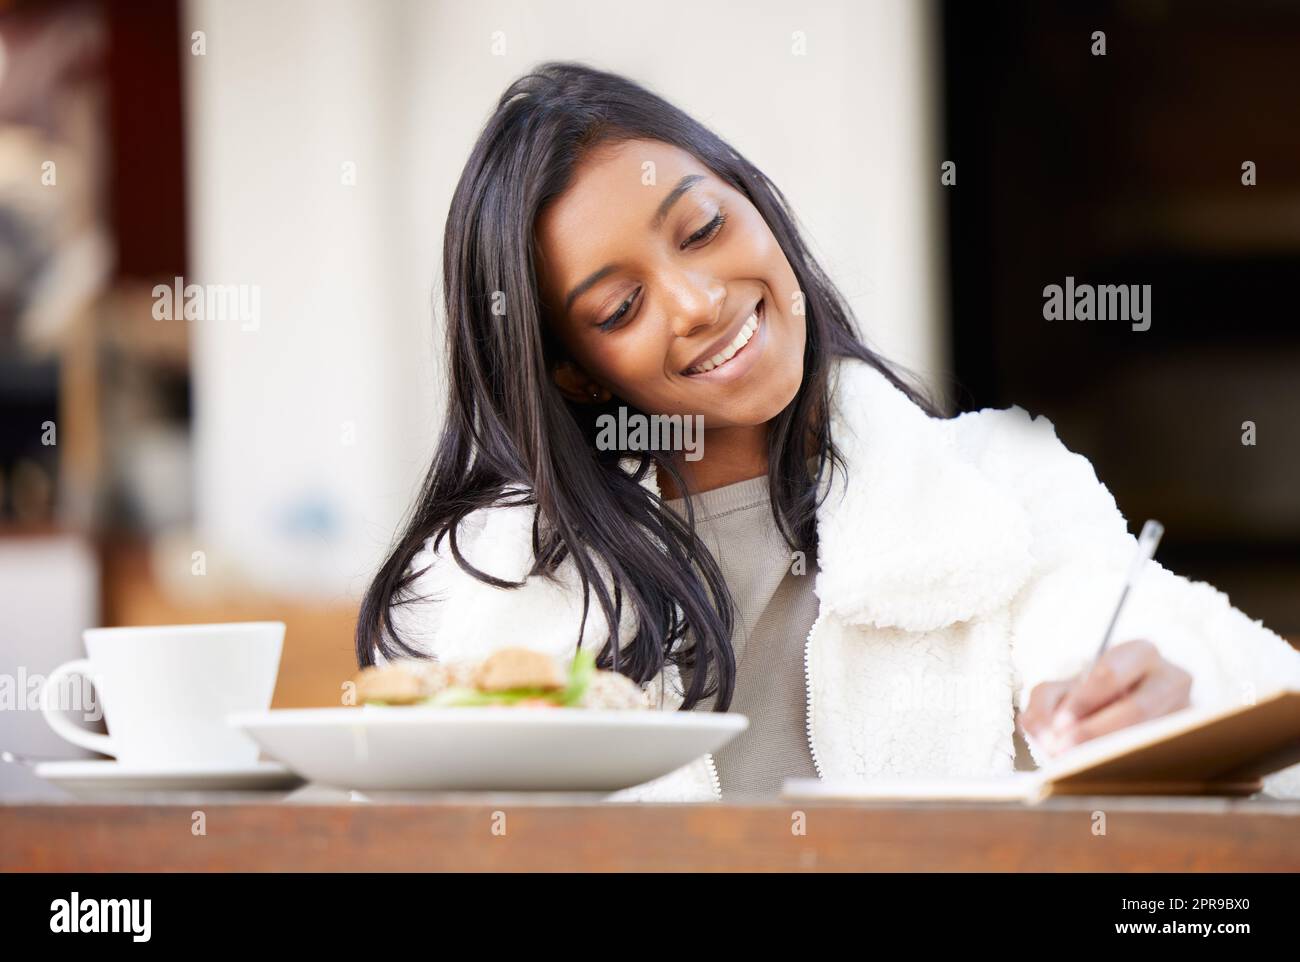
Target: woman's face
(670, 290)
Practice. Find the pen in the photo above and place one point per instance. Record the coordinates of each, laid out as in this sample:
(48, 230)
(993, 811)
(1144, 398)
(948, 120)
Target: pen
(1150, 537)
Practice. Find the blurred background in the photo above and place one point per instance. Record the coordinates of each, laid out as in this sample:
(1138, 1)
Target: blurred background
(251, 460)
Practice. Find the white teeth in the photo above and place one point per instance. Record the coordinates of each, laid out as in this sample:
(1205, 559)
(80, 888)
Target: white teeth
(728, 352)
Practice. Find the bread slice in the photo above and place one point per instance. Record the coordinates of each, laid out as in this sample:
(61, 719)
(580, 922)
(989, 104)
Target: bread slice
(512, 668)
(401, 682)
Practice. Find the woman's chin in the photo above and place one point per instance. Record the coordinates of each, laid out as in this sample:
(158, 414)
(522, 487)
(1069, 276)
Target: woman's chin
(750, 411)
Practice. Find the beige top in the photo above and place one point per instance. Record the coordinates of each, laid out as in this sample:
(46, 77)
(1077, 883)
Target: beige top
(775, 610)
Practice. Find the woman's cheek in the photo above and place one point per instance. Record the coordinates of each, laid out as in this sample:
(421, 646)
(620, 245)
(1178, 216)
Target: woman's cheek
(632, 374)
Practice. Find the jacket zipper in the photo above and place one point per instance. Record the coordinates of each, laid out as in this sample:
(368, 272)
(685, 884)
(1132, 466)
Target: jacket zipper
(714, 782)
(812, 748)
(713, 776)
(807, 678)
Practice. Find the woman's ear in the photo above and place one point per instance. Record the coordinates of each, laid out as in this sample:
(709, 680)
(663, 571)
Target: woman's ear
(576, 385)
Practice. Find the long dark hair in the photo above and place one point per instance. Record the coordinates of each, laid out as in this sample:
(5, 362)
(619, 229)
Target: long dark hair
(508, 427)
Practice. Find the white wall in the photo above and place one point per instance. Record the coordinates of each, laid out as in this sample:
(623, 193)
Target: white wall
(289, 90)
(49, 595)
(287, 93)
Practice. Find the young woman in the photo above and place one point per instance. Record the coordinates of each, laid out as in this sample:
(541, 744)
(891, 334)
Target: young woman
(882, 590)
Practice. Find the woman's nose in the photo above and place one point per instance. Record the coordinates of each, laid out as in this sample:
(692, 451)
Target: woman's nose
(692, 303)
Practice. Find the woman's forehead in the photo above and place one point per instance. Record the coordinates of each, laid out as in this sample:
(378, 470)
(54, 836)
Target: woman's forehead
(615, 188)
(609, 178)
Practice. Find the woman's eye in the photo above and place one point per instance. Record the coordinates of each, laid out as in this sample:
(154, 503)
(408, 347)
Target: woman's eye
(706, 232)
(618, 315)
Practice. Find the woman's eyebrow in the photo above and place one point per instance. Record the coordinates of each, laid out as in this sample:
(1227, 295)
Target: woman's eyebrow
(683, 185)
(594, 278)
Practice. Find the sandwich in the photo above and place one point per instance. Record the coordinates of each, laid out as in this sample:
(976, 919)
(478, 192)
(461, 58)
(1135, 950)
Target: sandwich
(510, 677)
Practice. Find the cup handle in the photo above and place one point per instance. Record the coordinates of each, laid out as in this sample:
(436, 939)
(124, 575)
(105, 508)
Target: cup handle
(53, 713)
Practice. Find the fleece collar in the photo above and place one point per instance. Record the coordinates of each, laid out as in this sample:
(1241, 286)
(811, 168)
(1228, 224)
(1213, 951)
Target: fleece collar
(919, 537)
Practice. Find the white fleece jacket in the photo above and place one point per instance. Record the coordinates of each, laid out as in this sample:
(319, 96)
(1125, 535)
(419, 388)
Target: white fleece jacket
(965, 561)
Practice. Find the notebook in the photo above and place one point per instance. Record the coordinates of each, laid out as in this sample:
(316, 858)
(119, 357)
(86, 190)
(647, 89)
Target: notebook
(1224, 751)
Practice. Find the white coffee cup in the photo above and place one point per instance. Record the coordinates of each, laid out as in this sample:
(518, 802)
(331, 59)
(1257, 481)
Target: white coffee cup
(166, 691)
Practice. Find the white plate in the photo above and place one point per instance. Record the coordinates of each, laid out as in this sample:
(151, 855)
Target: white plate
(391, 748)
(101, 777)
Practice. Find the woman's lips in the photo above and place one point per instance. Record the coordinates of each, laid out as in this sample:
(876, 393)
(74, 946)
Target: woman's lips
(741, 348)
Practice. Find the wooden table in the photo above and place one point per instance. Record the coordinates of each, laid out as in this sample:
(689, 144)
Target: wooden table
(313, 832)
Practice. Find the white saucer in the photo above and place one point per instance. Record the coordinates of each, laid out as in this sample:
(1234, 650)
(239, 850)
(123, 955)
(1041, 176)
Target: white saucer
(102, 776)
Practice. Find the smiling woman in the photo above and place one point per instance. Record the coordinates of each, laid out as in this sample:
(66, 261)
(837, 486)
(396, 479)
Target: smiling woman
(694, 309)
(633, 248)
(838, 551)
(707, 317)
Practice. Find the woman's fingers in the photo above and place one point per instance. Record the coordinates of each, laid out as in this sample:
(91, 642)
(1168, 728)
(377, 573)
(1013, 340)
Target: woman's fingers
(1037, 716)
(1120, 669)
(1159, 693)
(1129, 684)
